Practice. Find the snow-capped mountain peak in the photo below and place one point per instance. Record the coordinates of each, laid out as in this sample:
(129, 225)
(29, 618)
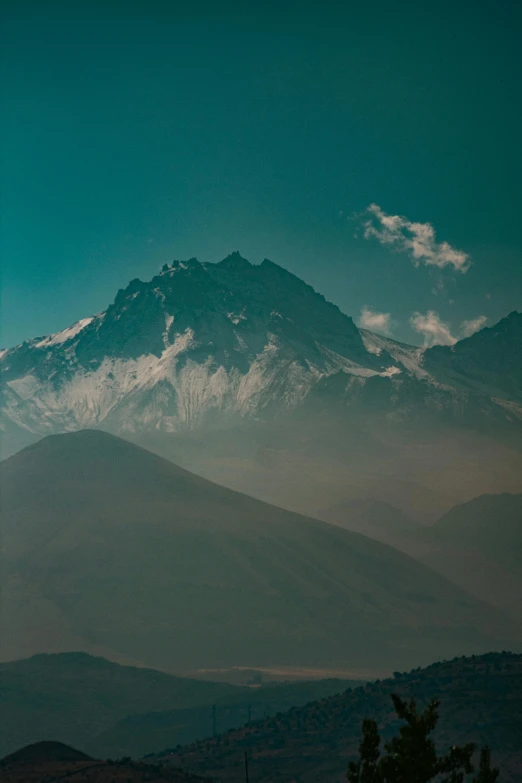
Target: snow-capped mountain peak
(199, 342)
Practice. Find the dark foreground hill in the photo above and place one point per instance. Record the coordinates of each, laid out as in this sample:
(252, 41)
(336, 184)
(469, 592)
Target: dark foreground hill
(113, 711)
(107, 546)
(44, 762)
(481, 702)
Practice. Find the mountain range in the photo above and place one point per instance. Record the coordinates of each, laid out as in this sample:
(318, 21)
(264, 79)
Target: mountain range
(237, 340)
(110, 549)
(244, 374)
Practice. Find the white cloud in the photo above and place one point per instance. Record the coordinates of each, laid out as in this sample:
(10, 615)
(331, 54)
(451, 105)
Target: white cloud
(432, 328)
(436, 332)
(416, 239)
(473, 325)
(370, 319)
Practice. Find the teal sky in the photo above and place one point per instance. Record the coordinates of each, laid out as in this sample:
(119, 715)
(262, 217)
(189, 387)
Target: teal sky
(139, 132)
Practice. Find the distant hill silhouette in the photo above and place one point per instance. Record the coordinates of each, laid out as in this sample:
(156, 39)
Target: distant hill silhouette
(45, 751)
(478, 545)
(374, 518)
(491, 524)
(481, 702)
(123, 551)
(43, 762)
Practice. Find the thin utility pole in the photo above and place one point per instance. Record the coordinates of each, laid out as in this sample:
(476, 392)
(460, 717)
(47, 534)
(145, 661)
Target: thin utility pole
(246, 767)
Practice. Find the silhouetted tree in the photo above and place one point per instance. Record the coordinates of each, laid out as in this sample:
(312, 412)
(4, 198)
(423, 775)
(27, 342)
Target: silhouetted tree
(411, 757)
(486, 773)
(366, 769)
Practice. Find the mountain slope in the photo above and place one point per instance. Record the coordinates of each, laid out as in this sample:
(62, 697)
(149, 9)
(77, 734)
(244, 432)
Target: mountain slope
(156, 564)
(489, 523)
(312, 461)
(478, 545)
(481, 702)
(374, 518)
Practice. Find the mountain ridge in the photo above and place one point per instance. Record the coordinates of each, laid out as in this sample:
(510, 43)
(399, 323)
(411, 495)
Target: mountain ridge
(203, 344)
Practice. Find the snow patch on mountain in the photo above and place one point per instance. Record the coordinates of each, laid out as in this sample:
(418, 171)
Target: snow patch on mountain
(169, 320)
(177, 266)
(65, 335)
(409, 356)
(353, 368)
(25, 387)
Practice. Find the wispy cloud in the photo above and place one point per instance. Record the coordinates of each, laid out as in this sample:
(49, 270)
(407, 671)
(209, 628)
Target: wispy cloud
(437, 332)
(370, 319)
(416, 239)
(473, 325)
(432, 328)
